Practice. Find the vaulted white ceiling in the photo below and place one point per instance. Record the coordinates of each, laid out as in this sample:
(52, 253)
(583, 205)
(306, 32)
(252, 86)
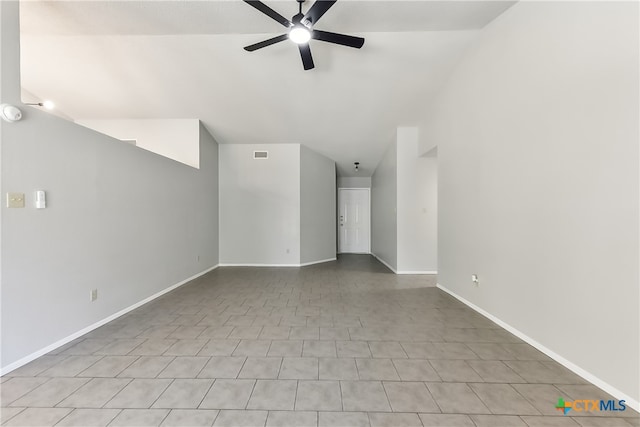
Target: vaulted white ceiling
(184, 59)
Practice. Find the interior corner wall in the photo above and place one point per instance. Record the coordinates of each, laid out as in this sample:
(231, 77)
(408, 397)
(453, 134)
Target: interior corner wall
(417, 195)
(207, 210)
(384, 193)
(120, 220)
(317, 207)
(260, 205)
(537, 133)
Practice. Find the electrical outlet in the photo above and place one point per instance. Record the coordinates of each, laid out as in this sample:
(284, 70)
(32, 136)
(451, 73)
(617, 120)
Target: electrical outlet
(287, 250)
(94, 295)
(475, 280)
(15, 200)
(198, 258)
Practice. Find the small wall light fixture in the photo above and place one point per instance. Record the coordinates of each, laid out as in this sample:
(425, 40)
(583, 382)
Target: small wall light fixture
(49, 105)
(10, 113)
(357, 166)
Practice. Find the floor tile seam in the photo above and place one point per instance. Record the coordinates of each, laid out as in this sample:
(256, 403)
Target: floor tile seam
(525, 398)
(16, 414)
(295, 399)
(127, 353)
(160, 394)
(75, 409)
(481, 376)
(129, 381)
(279, 367)
(434, 370)
(70, 356)
(119, 372)
(163, 369)
(239, 370)
(46, 382)
(163, 418)
(253, 389)
(387, 395)
(203, 396)
(203, 365)
(491, 410)
(472, 391)
(524, 381)
(434, 399)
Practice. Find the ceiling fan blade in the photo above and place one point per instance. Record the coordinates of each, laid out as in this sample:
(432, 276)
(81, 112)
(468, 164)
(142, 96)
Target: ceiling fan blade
(307, 59)
(336, 38)
(269, 12)
(318, 9)
(266, 43)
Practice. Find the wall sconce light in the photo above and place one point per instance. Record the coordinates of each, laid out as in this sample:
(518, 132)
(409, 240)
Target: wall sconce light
(357, 166)
(10, 113)
(49, 105)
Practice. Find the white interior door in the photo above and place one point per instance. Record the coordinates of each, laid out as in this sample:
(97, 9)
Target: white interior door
(353, 220)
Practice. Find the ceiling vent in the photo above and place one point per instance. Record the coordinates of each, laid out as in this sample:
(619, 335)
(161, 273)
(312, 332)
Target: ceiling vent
(260, 154)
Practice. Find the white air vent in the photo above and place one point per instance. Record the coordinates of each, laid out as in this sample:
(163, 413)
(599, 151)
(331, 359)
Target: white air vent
(130, 141)
(260, 154)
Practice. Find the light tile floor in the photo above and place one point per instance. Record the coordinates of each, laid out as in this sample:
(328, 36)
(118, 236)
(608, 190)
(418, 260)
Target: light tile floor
(344, 343)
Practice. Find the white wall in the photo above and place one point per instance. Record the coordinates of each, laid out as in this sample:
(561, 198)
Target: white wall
(354, 182)
(260, 204)
(121, 220)
(537, 135)
(384, 233)
(417, 195)
(317, 207)
(404, 207)
(177, 139)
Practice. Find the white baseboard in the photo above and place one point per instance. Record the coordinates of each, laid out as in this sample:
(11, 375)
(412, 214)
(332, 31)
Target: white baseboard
(225, 264)
(608, 388)
(403, 271)
(384, 262)
(417, 272)
(318, 262)
(233, 264)
(21, 362)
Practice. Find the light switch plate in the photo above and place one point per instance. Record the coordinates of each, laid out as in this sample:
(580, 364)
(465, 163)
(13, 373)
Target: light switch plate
(15, 200)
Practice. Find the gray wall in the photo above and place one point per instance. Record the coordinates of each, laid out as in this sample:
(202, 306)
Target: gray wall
(260, 204)
(119, 219)
(354, 182)
(539, 187)
(404, 207)
(417, 196)
(384, 231)
(317, 207)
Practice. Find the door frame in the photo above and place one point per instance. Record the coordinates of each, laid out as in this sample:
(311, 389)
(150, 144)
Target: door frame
(338, 218)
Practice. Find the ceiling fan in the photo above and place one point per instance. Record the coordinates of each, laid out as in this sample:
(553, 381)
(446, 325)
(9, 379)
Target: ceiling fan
(300, 29)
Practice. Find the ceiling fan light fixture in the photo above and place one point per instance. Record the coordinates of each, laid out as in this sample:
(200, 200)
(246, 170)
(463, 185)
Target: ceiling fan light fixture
(300, 34)
(301, 29)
